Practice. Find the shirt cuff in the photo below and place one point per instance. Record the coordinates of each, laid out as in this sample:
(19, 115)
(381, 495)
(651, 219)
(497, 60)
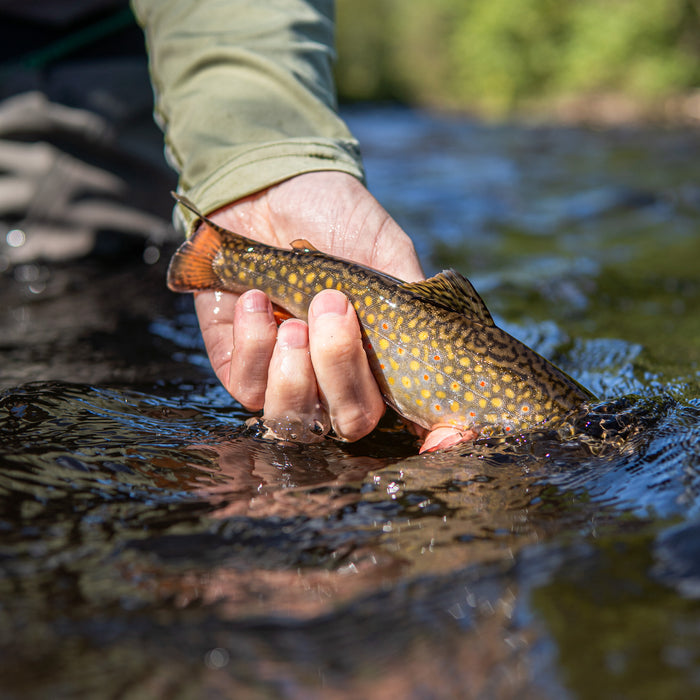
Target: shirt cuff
(257, 168)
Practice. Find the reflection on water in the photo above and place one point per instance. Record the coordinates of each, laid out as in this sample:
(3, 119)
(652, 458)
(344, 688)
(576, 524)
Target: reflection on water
(154, 546)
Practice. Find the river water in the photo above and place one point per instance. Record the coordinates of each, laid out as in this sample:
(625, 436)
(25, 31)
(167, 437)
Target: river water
(151, 545)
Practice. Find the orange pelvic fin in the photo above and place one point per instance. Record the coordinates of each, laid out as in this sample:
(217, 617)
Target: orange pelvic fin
(191, 266)
(280, 314)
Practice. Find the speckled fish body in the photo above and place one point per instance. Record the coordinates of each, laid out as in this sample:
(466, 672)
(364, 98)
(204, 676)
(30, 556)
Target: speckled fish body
(433, 347)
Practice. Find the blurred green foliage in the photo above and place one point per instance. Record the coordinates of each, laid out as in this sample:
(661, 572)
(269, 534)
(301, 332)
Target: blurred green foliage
(497, 56)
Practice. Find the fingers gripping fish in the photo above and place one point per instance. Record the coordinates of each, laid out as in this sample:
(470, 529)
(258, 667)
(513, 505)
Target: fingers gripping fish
(433, 347)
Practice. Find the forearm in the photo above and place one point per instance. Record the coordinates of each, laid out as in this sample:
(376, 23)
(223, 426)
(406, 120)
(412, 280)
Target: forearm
(245, 94)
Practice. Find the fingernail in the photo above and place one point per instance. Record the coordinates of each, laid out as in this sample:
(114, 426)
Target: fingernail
(254, 302)
(329, 302)
(293, 335)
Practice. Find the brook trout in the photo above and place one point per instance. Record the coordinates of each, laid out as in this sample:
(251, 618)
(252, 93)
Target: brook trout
(433, 347)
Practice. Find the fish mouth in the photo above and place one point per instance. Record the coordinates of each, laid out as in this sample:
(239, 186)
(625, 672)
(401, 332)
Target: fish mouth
(293, 429)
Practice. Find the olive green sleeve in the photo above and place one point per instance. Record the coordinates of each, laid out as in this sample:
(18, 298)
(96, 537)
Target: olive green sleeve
(245, 93)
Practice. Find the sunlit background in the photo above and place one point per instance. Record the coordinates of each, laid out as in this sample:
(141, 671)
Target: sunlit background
(601, 60)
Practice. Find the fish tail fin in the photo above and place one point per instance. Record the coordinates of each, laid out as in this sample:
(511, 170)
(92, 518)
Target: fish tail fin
(191, 266)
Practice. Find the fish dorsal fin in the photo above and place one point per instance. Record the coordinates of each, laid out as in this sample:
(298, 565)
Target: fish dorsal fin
(303, 245)
(453, 292)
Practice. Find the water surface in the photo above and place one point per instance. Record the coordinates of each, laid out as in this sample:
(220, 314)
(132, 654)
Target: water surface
(154, 546)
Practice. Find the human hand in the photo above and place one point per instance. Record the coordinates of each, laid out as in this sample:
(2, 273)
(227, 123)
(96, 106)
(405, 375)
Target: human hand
(304, 374)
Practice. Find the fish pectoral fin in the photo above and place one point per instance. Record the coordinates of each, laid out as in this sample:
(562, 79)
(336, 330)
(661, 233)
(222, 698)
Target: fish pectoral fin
(303, 245)
(453, 292)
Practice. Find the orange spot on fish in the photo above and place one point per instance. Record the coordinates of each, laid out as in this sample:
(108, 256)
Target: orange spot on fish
(472, 414)
(437, 407)
(525, 409)
(436, 358)
(426, 377)
(385, 326)
(482, 383)
(399, 351)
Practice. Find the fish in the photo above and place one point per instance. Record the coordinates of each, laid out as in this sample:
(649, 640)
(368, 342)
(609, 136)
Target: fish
(433, 347)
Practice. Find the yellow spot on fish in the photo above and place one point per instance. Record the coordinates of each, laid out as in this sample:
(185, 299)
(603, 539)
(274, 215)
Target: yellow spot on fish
(368, 300)
(406, 381)
(415, 365)
(370, 318)
(454, 406)
(419, 402)
(465, 361)
(298, 297)
(329, 282)
(339, 286)
(539, 417)
(491, 417)
(448, 369)
(413, 323)
(394, 364)
(405, 338)
(425, 393)
(310, 277)
(496, 402)
(415, 352)
(468, 396)
(423, 335)
(317, 288)
(510, 394)
(467, 378)
(242, 275)
(440, 394)
(383, 343)
(478, 369)
(292, 279)
(439, 379)
(482, 403)
(390, 380)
